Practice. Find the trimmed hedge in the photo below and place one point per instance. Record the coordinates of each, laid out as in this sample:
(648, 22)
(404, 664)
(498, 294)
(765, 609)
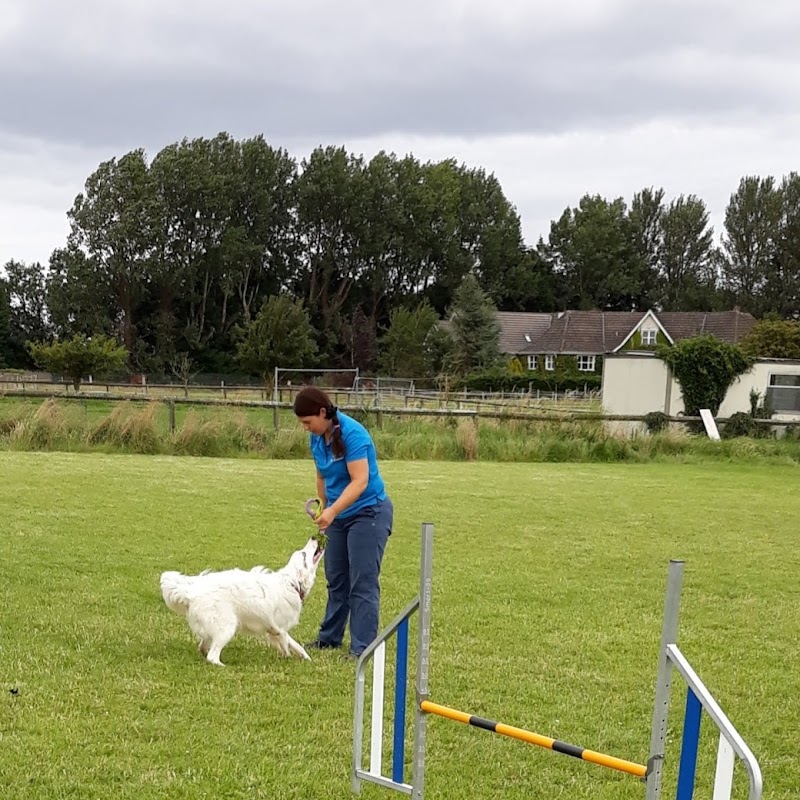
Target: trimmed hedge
(499, 380)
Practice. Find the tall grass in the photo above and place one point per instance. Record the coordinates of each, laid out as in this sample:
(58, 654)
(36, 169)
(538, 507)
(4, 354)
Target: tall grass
(129, 427)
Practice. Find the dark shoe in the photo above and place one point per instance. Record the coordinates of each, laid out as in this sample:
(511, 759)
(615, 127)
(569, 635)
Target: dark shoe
(318, 644)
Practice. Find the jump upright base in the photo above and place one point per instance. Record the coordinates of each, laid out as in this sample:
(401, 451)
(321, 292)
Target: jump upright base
(699, 700)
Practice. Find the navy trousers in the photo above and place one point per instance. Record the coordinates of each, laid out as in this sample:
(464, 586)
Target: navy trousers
(352, 569)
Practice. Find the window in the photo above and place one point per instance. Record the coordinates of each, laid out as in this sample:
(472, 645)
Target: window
(533, 362)
(549, 363)
(586, 363)
(649, 337)
(783, 393)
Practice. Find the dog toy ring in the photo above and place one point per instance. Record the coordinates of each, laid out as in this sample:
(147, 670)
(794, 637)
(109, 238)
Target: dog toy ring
(314, 509)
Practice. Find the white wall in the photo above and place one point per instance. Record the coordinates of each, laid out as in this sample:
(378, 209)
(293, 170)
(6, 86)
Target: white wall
(738, 397)
(636, 384)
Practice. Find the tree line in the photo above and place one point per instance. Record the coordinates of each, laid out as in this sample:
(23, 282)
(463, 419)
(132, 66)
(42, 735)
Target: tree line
(176, 257)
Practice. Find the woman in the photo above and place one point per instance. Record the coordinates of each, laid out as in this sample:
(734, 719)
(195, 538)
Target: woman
(357, 517)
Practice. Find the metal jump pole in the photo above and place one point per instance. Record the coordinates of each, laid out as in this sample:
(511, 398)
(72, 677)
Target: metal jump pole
(698, 700)
(423, 661)
(375, 653)
(669, 632)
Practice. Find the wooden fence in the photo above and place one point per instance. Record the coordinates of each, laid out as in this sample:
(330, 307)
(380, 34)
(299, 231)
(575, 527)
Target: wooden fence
(380, 412)
(361, 397)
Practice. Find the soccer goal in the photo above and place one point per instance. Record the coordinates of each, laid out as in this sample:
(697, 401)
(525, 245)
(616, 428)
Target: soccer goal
(382, 388)
(289, 380)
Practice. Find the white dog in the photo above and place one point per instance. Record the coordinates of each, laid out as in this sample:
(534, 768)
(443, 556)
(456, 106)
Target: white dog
(258, 602)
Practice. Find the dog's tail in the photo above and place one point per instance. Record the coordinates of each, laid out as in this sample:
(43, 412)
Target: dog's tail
(175, 589)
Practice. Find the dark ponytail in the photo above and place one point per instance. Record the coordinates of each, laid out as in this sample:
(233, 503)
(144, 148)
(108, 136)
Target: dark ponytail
(309, 402)
(337, 443)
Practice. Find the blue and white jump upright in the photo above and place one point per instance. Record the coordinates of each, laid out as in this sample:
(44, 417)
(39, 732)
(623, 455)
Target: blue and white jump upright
(698, 700)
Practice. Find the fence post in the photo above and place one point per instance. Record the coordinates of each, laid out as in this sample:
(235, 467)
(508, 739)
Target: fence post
(669, 632)
(276, 417)
(172, 415)
(224, 390)
(379, 418)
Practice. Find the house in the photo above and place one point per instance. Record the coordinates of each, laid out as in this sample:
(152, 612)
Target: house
(580, 339)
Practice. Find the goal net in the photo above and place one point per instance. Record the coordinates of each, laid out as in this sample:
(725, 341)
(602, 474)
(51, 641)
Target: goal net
(289, 380)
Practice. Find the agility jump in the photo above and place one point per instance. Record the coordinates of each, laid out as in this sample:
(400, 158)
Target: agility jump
(698, 699)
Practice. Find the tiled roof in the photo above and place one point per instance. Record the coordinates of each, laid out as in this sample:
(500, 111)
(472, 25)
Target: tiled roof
(596, 332)
(584, 332)
(518, 329)
(731, 326)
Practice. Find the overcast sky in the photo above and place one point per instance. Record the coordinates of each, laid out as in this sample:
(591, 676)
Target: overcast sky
(556, 97)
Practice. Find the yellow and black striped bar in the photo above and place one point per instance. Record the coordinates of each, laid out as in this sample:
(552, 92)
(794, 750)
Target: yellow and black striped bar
(639, 770)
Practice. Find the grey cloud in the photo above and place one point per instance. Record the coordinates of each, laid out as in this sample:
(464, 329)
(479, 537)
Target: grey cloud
(158, 75)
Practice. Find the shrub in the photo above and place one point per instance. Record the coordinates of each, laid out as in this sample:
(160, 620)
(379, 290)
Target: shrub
(739, 424)
(656, 421)
(705, 367)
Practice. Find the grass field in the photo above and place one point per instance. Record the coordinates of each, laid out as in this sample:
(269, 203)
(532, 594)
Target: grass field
(548, 593)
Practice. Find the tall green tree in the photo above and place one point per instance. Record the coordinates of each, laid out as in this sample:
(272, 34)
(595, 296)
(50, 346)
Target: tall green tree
(750, 241)
(327, 201)
(782, 286)
(686, 270)
(646, 215)
(594, 248)
(112, 223)
(361, 341)
(474, 329)
(79, 297)
(381, 252)
(194, 183)
(261, 246)
(530, 285)
(279, 335)
(6, 350)
(676, 244)
(25, 284)
(403, 347)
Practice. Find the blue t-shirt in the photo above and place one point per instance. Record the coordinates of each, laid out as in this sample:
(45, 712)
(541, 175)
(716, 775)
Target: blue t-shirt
(358, 444)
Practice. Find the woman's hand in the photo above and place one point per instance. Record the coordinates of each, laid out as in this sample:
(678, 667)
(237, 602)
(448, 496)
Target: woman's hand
(325, 519)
